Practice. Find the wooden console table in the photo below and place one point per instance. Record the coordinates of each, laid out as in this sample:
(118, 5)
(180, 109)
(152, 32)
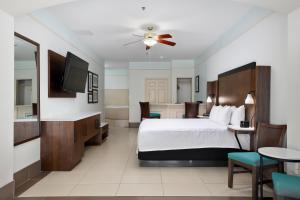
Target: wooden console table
(63, 140)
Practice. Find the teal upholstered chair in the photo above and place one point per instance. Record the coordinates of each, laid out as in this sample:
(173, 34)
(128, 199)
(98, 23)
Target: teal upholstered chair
(286, 186)
(267, 135)
(145, 111)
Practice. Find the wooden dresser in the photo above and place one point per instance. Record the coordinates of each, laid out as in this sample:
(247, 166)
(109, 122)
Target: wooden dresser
(63, 140)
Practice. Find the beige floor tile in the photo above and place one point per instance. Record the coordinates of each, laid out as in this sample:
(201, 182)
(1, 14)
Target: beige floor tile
(113, 169)
(213, 174)
(141, 179)
(142, 171)
(140, 190)
(237, 190)
(94, 190)
(62, 178)
(179, 175)
(220, 175)
(109, 176)
(185, 189)
(44, 190)
(223, 190)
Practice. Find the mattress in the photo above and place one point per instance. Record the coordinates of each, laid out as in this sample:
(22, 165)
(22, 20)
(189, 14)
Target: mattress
(177, 134)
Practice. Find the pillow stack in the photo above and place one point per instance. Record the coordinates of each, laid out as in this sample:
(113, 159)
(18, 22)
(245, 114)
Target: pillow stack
(227, 114)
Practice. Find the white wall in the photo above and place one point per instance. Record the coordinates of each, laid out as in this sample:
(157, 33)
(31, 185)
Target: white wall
(182, 69)
(26, 154)
(7, 97)
(140, 71)
(200, 70)
(293, 136)
(137, 79)
(116, 78)
(265, 43)
(51, 107)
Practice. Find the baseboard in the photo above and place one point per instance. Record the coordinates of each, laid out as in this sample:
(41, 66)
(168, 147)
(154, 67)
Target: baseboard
(27, 173)
(134, 124)
(7, 192)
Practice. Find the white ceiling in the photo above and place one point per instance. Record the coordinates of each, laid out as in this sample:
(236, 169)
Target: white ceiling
(105, 25)
(194, 24)
(19, 7)
(284, 6)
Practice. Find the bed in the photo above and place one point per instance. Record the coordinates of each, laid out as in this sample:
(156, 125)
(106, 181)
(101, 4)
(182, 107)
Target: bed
(203, 139)
(186, 139)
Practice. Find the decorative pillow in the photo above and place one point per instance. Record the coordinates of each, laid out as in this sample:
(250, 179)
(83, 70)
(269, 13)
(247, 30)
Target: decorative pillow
(224, 115)
(238, 115)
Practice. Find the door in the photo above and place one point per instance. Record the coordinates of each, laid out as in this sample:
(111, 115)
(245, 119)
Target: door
(156, 91)
(184, 90)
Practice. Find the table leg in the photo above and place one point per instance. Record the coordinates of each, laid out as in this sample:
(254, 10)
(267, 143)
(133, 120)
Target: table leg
(237, 139)
(261, 175)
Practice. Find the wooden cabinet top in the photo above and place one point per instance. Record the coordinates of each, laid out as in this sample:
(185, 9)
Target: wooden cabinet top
(71, 117)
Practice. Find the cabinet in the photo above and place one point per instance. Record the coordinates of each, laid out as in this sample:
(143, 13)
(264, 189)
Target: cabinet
(63, 140)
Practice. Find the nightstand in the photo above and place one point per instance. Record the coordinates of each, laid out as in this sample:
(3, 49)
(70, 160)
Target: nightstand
(240, 130)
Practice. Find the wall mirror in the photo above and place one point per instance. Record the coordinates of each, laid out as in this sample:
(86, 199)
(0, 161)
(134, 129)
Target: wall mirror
(26, 90)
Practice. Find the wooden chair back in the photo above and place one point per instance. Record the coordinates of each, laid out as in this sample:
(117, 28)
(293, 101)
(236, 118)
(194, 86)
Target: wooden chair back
(34, 109)
(145, 110)
(269, 135)
(191, 109)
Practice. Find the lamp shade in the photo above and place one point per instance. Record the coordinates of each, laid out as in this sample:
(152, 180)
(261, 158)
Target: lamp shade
(208, 100)
(249, 99)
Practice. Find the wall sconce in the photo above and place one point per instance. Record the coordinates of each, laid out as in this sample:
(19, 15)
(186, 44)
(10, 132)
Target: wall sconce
(209, 99)
(250, 101)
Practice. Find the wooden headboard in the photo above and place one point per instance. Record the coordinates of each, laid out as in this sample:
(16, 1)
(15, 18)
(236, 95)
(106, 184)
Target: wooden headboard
(234, 85)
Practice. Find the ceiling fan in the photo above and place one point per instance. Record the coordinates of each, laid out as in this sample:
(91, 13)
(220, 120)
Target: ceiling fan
(150, 38)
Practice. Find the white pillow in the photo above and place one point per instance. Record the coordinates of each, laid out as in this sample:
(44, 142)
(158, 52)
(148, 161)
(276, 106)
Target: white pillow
(238, 115)
(224, 115)
(214, 113)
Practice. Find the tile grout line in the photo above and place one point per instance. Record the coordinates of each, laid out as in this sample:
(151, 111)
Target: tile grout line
(122, 176)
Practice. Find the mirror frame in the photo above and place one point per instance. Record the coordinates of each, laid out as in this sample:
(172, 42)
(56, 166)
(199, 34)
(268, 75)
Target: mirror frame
(38, 89)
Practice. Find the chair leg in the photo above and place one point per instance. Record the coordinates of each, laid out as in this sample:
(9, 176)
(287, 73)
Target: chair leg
(230, 173)
(281, 167)
(255, 173)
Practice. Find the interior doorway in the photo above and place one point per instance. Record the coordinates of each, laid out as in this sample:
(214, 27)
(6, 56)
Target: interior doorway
(184, 90)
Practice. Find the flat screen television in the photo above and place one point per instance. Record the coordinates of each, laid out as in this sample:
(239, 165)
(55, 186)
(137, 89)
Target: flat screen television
(75, 75)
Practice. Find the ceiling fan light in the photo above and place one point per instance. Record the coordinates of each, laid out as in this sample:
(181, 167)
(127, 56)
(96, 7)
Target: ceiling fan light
(150, 42)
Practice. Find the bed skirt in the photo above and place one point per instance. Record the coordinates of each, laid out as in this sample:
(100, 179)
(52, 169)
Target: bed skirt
(193, 157)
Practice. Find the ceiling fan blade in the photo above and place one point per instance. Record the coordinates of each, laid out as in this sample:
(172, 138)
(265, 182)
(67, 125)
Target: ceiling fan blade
(133, 42)
(163, 36)
(147, 47)
(136, 35)
(167, 42)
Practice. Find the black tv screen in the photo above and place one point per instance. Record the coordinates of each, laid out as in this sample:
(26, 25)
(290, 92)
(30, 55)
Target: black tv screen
(75, 75)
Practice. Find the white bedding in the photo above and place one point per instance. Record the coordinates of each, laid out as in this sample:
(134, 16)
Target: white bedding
(175, 134)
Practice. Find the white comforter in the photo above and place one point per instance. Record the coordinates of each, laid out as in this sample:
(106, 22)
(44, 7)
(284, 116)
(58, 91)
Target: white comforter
(172, 134)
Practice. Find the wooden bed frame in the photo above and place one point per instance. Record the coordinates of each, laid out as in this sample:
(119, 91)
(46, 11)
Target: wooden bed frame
(233, 86)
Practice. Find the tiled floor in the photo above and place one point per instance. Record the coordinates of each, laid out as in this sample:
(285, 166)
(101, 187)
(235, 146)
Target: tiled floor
(112, 170)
